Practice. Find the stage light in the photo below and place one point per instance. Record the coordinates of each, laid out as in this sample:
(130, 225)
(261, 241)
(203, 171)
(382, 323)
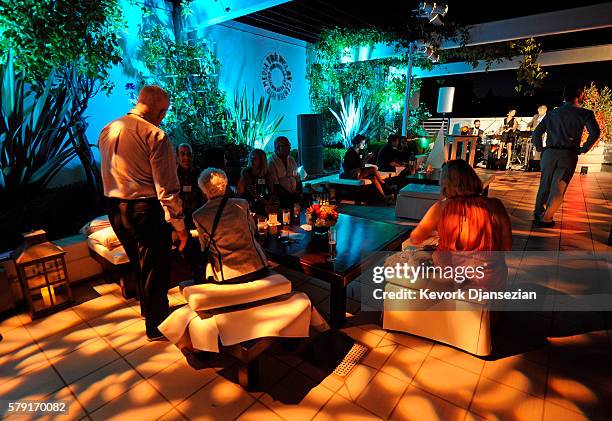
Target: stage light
(433, 12)
(430, 54)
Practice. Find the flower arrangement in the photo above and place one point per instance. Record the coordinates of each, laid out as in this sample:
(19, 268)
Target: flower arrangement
(322, 215)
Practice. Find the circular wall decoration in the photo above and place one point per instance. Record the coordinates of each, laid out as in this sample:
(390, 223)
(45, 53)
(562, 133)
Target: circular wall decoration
(276, 76)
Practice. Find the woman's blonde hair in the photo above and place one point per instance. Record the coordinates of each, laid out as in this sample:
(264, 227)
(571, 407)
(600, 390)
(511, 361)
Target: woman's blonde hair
(262, 158)
(458, 179)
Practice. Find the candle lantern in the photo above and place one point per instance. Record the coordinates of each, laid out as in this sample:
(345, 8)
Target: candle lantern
(41, 268)
(322, 197)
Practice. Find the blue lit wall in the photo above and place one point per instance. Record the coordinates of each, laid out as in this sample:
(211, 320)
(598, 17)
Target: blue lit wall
(103, 108)
(242, 49)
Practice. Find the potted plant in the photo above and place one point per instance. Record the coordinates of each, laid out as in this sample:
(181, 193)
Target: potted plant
(600, 102)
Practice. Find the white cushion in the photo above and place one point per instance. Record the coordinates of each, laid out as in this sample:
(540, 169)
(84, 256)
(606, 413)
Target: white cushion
(415, 199)
(210, 296)
(94, 225)
(106, 237)
(424, 191)
(115, 256)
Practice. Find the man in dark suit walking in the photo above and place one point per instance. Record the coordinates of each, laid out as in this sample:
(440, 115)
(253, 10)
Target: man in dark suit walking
(563, 127)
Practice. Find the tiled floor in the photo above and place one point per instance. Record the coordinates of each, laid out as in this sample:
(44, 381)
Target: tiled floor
(549, 365)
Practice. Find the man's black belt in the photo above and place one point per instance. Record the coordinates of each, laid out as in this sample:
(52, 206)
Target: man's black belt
(562, 148)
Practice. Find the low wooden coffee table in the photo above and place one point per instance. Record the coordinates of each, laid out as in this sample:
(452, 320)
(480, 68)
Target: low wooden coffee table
(358, 241)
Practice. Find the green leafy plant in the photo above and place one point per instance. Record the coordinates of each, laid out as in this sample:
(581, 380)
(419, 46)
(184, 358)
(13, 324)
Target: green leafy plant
(355, 117)
(188, 72)
(529, 75)
(47, 34)
(80, 39)
(35, 131)
(600, 102)
(250, 120)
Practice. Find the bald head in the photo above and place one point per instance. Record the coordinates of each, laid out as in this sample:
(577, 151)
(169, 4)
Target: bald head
(153, 102)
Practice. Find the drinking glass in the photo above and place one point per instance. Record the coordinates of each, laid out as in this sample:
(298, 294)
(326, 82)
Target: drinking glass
(262, 226)
(284, 234)
(272, 218)
(331, 242)
(286, 217)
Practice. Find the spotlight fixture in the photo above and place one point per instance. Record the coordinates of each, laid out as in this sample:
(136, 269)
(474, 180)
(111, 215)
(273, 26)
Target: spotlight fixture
(430, 54)
(434, 12)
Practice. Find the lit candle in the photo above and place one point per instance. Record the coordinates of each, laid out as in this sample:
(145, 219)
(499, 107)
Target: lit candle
(48, 299)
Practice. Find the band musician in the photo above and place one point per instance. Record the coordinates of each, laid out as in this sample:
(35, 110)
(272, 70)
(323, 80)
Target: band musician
(506, 134)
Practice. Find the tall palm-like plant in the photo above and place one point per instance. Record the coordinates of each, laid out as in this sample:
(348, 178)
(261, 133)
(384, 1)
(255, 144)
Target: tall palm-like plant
(35, 131)
(356, 117)
(251, 122)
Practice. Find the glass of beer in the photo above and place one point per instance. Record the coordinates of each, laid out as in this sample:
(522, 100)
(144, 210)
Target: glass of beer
(286, 217)
(272, 218)
(331, 242)
(296, 211)
(262, 226)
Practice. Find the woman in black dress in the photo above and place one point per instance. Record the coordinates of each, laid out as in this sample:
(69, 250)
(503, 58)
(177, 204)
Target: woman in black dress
(507, 131)
(255, 184)
(353, 167)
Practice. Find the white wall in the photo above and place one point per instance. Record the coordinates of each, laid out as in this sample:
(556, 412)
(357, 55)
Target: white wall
(241, 49)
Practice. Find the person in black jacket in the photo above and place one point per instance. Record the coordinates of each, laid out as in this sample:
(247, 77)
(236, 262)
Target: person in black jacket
(563, 127)
(353, 167)
(388, 155)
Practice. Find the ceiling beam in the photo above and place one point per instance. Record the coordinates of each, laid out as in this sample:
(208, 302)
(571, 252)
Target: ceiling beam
(211, 12)
(584, 18)
(563, 21)
(551, 58)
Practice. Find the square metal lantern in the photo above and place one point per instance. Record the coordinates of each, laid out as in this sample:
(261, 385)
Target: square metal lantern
(41, 267)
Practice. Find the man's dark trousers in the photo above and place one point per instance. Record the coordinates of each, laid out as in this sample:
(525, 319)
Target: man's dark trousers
(558, 165)
(147, 240)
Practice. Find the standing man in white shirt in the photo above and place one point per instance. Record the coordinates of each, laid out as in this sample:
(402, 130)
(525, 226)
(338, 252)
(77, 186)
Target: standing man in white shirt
(284, 174)
(139, 176)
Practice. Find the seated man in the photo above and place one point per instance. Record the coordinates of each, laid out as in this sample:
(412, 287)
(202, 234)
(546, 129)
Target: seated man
(190, 194)
(227, 233)
(284, 174)
(408, 149)
(192, 199)
(388, 155)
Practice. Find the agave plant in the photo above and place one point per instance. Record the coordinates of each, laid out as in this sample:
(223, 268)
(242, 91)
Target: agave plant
(35, 131)
(250, 121)
(356, 117)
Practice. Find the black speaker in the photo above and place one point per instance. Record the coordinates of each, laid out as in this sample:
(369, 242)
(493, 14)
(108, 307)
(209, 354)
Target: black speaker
(310, 142)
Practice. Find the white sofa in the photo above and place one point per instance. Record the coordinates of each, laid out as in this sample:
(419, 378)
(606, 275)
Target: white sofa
(414, 200)
(464, 324)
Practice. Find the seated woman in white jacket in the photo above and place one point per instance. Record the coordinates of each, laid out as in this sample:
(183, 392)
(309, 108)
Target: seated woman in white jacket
(227, 233)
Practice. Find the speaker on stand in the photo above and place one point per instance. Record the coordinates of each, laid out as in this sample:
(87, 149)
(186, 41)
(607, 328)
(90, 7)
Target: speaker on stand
(310, 143)
(446, 96)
